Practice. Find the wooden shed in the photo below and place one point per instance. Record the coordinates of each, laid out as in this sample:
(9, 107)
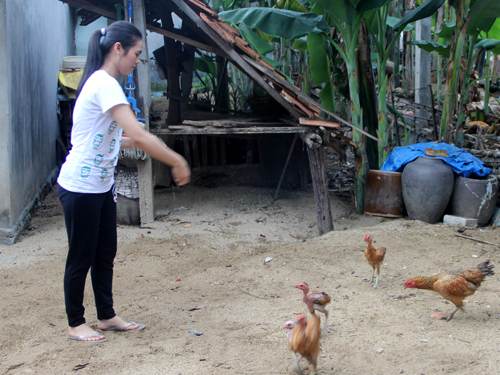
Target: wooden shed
(293, 114)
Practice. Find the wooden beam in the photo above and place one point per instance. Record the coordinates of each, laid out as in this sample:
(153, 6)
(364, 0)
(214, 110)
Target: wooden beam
(325, 123)
(186, 130)
(236, 57)
(106, 12)
(321, 192)
(143, 97)
(184, 39)
(111, 14)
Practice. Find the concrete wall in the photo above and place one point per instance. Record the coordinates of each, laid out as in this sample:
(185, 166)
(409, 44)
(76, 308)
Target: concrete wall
(34, 37)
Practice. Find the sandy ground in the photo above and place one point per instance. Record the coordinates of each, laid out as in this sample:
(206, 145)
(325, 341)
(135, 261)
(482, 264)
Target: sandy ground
(217, 241)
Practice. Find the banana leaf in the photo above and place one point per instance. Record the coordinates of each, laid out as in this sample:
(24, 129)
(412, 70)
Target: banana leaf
(294, 5)
(300, 43)
(327, 96)
(284, 23)
(431, 46)
(391, 21)
(367, 5)
(255, 41)
(447, 30)
(482, 15)
(341, 9)
(425, 10)
(487, 44)
(205, 66)
(318, 60)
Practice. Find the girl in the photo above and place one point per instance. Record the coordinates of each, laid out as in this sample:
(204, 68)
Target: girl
(100, 117)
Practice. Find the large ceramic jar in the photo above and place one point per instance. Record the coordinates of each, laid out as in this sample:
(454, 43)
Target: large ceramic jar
(383, 194)
(475, 198)
(427, 188)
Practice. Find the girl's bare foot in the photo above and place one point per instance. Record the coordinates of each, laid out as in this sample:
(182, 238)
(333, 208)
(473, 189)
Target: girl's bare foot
(84, 333)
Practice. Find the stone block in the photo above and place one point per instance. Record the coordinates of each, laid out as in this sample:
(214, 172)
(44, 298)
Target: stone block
(460, 221)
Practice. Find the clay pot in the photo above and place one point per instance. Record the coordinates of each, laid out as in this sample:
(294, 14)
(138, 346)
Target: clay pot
(475, 198)
(427, 185)
(383, 194)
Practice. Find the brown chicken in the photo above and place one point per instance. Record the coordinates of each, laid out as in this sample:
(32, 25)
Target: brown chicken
(304, 337)
(297, 340)
(319, 299)
(374, 257)
(313, 335)
(453, 285)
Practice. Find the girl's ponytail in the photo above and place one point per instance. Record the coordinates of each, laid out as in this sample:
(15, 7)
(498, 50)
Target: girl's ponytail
(102, 41)
(95, 58)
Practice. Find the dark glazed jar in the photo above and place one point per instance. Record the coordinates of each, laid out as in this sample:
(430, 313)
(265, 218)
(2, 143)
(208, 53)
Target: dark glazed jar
(475, 198)
(427, 188)
(383, 194)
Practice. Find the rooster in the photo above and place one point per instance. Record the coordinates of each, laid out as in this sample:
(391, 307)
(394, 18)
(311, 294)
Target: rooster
(374, 258)
(453, 285)
(319, 299)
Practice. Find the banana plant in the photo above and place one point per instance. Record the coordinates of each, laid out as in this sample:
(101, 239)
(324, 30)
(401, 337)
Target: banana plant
(474, 19)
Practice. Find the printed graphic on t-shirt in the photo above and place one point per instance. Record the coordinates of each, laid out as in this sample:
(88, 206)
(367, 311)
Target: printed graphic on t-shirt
(113, 161)
(97, 141)
(104, 173)
(98, 159)
(112, 145)
(85, 172)
(112, 127)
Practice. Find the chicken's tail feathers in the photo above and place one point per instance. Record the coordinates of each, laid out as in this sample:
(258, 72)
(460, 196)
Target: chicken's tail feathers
(486, 268)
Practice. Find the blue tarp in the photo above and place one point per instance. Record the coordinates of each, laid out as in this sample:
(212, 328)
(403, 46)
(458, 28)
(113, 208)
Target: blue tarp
(462, 162)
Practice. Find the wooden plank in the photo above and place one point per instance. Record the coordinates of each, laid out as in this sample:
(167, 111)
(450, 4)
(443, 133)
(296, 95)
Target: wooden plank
(320, 187)
(185, 130)
(234, 56)
(183, 39)
(204, 151)
(187, 150)
(297, 103)
(99, 9)
(229, 123)
(325, 123)
(223, 160)
(215, 158)
(196, 151)
(300, 94)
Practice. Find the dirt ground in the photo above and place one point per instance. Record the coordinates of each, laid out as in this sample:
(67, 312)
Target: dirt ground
(216, 242)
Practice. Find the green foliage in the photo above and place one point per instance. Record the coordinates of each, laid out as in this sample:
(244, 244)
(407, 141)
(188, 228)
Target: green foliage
(482, 15)
(284, 23)
(425, 10)
(443, 50)
(255, 40)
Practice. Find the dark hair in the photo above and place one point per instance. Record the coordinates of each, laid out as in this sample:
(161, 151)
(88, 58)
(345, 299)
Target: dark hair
(123, 32)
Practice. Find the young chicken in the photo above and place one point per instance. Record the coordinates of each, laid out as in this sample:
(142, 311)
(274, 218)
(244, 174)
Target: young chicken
(319, 299)
(374, 258)
(313, 335)
(297, 340)
(453, 285)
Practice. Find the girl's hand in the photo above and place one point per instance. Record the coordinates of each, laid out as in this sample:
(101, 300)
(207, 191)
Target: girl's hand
(181, 173)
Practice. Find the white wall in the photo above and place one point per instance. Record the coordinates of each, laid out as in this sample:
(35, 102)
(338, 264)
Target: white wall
(39, 33)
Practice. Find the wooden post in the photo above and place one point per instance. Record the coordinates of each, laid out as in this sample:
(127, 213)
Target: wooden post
(320, 185)
(143, 97)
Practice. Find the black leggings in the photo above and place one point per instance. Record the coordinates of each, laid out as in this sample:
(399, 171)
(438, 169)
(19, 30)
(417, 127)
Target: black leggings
(91, 227)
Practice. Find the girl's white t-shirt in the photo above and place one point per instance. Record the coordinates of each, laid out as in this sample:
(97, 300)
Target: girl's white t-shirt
(95, 137)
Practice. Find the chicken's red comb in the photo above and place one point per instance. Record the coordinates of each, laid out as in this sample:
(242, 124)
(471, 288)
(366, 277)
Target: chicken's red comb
(367, 236)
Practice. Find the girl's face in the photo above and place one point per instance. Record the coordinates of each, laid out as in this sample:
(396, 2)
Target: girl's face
(129, 60)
